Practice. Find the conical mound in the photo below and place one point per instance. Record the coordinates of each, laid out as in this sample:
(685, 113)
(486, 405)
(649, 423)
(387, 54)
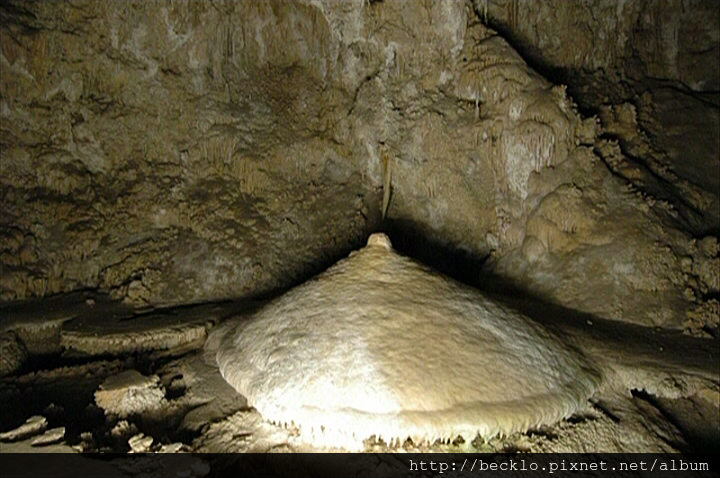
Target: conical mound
(381, 345)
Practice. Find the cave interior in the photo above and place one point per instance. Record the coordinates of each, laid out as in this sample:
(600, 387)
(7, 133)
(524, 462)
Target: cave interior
(176, 172)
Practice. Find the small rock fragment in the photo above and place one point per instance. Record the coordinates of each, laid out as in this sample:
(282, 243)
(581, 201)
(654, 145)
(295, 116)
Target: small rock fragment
(54, 435)
(522, 445)
(32, 426)
(87, 443)
(140, 443)
(130, 393)
(171, 448)
(123, 429)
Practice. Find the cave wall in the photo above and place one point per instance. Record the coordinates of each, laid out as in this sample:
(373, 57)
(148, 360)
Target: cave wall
(173, 152)
(650, 70)
(615, 42)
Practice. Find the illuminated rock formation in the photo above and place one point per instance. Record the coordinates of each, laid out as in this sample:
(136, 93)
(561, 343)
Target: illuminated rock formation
(382, 345)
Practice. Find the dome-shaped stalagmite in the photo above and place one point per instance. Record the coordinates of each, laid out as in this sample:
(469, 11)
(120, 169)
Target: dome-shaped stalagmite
(382, 345)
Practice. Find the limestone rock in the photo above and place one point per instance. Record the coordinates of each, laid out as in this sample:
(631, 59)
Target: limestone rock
(12, 353)
(140, 443)
(50, 437)
(33, 426)
(381, 345)
(168, 153)
(130, 393)
(612, 41)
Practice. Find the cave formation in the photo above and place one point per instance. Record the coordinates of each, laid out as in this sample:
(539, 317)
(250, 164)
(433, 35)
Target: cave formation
(171, 170)
(381, 346)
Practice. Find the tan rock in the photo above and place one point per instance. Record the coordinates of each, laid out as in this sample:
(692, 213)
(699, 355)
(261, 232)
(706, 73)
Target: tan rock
(130, 393)
(381, 345)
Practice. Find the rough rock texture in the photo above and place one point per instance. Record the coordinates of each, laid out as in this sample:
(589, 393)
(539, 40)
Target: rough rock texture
(658, 57)
(50, 437)
(33, 426)
(12, 353)
(659, 393)
(140, 443)
(130, 393)
(168, 152)
(173, 152)
(617, 41)
(87, 324)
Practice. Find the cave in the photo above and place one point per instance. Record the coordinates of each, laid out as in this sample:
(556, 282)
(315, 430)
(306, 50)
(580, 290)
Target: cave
(187, 184)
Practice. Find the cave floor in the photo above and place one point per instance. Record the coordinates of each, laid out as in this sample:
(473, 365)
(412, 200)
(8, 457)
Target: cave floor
(660, 388)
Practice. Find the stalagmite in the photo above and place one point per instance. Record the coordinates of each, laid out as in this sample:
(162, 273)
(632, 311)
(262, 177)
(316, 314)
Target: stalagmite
(380, 345)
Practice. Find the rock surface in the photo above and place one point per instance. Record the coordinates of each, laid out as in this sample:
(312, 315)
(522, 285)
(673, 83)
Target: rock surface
(658, 58)
(170, 152)
(659, 393)
(12, 353)
(50, 437)
(616, 41)
(33, 426)
(130, 393)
